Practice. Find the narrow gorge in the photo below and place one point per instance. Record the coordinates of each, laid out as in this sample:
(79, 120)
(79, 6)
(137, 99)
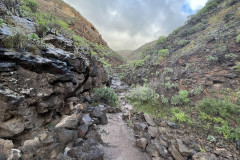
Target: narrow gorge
(66, 95)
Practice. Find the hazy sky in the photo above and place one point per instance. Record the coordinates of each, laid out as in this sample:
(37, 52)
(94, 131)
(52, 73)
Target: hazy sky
(128, 24)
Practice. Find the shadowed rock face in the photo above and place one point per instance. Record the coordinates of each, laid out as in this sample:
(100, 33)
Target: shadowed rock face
(34, 87)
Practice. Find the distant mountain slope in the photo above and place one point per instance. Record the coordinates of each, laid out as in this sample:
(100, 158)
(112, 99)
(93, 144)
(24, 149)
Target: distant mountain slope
(76, 21)
(125, 53)
(136, 53)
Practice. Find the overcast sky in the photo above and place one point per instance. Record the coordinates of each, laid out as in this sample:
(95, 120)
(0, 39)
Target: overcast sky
(128, 24)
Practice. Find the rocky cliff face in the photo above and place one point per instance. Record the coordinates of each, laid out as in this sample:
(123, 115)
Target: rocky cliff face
(42, 95)
(76, 21)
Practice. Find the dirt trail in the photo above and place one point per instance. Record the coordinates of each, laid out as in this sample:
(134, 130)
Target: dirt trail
(118, 137)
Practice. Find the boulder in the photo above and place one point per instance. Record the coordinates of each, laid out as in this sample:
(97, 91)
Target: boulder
(82, 130)
(149, 120)
(15, 154)
(59, 42)
(171, 124)
(153, 131)
(143, 134)
(5, 148)
(47, 138)
(100, 112)
(50, 152)
(26, 25)
(65, 136)
(11, 127)
(142, 143)
(238, 144)
(68, 122)
(79, 142)
(5, 31)
(93, 134)
(204, 156)
(183, 149)
(88, 110)
(90, 150)
(86, 120)
(138, 126)
(156, 149)
(31, 145)
(175, 153)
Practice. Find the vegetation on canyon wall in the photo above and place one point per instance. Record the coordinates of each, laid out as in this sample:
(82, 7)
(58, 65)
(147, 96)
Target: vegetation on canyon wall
(197, 60)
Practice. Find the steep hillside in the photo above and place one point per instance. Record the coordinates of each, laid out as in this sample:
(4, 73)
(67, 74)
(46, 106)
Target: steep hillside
(73, 18)
(197, 61)
(133, 55)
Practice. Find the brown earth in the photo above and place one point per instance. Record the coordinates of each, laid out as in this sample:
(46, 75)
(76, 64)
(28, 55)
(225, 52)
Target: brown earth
(75, 20)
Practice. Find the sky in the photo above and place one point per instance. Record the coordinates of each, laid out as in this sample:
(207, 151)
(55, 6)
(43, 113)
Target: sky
(128, 24)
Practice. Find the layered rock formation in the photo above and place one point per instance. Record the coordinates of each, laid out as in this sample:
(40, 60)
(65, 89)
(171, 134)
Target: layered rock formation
(42, 97)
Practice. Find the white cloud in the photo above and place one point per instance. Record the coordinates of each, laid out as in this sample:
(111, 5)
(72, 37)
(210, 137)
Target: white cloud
(113, 13)
(196, 4)
(128, 24)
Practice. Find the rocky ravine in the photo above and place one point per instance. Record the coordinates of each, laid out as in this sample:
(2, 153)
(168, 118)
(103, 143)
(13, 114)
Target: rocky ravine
(132, 135)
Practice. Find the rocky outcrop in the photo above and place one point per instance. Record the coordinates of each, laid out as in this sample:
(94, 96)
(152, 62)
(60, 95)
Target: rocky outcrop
(42, 98)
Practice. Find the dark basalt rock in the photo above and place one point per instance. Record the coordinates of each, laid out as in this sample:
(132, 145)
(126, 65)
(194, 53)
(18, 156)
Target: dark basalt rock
(60, 42)
(7, 67)
(90, 150)
(238, 144)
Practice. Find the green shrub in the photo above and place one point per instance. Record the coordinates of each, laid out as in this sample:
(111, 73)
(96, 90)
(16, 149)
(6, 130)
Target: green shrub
(208, 7)
(228, 16)
(211, 138)
(2, 23)
(163, 52)
(176, 31)
(175, 100)
(107, 95)
(215, 107)
(237, 67)
(188, 31)
(227, 131)
(78, 40)
(33, 37)
(32, 4)
(139, 63)
(211, 58)
(170, 85)
(17, 41)
(164, 99)
(142, 94)
(238, 39)
(231, 56)
(161, 40)
(93, 54)
(179, 116)
(167, 70)
(46, 22)
(198, 90)
(181, 98)
(183, 43)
